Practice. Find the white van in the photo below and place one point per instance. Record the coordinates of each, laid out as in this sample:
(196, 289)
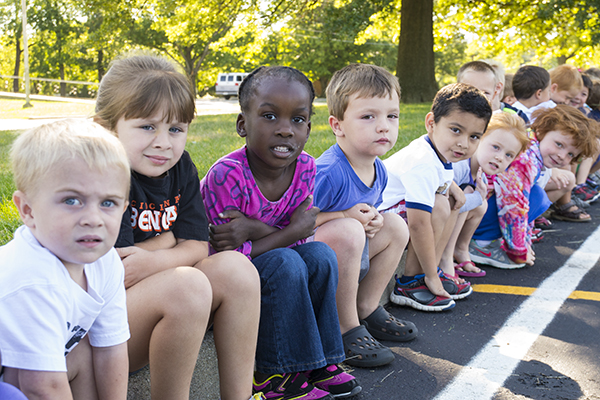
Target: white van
(228, 84)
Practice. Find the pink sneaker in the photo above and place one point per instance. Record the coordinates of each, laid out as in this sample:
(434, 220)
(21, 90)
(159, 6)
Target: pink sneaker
(334, 380)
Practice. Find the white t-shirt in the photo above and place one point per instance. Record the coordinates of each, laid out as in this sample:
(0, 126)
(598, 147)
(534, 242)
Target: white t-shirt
(519, 106)
(541, 106)
(416, 174)
(44, 313)
(529, 111)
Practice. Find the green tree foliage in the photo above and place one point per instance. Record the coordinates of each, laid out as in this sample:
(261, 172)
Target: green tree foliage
(185, 30)
(11, 31)
(327, 37)
(547, 32)
(54, 47)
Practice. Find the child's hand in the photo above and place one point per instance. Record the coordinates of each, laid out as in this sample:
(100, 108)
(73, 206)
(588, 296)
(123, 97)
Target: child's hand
(435, 286)
(361, 212)
(560, 177)
(459, 196)
(303, 219)
(375, 224)
(480, 186)
(135, 261)
(530, 255)
(232, 234)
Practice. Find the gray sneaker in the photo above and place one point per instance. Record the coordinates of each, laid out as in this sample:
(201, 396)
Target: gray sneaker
(492, 255)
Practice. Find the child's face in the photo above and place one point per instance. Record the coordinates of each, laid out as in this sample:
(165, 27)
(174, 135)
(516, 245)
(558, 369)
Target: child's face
(76, 212)
(484, 81)
(557, 149)
(370, 126)
(562, 96)
(153, 145)
(497, 150)
(581, 98)
(276, 124)
(455, 136)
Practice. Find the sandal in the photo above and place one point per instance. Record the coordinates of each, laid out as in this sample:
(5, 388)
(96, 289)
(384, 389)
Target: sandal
(384, 326)
(460, 270)
(362, 350)
(564, 213)
(543, 223)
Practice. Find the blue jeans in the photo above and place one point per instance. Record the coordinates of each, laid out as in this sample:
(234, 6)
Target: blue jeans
(299, 328)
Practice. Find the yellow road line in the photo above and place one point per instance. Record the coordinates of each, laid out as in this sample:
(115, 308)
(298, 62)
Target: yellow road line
(580, 294)
(504, 289)
(527, 291)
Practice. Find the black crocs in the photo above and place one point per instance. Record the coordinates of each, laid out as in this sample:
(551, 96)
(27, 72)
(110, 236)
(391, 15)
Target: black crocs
(362, 350)
(384, 326)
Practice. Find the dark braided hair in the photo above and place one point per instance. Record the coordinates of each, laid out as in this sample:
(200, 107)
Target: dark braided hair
(251, 82)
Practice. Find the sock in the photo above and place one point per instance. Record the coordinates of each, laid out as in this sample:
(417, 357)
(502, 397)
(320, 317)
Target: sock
(483, 243)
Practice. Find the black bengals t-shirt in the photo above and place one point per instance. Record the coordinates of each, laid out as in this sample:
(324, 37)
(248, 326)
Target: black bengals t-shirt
(171, 203)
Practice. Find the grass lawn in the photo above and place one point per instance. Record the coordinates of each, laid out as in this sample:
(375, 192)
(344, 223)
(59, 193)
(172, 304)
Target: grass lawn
(210, 137)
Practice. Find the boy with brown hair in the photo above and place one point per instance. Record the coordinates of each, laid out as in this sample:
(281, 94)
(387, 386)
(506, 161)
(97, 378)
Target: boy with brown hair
(421, 190)
(531, 87)
(363, 103)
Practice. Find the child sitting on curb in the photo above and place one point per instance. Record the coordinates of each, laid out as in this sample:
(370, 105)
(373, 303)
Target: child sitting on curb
(505, 138)
(503, 239)
(422, 191)
(364, 103)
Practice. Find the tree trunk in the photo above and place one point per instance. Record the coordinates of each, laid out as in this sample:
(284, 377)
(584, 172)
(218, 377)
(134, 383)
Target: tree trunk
(18, 52)
(100, 65)
(415, 67)
(61, 69)
(63, 85)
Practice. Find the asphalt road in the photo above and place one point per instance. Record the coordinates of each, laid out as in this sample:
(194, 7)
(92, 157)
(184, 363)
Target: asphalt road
(487, 347)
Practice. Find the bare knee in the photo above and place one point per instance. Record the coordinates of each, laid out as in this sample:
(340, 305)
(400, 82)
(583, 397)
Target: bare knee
(441, 208)
(479, 212)
(395, 228)
(342, 235)
(187, 292)
(231, 269)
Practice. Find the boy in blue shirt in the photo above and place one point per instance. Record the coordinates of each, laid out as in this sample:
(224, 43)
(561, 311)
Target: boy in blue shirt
(363, 103)
(421, 190)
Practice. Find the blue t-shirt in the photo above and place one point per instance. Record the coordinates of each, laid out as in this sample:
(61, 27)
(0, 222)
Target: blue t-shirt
(337, 187)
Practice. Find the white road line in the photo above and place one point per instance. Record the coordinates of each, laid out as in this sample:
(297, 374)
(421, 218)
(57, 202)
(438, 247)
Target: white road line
(494, 363)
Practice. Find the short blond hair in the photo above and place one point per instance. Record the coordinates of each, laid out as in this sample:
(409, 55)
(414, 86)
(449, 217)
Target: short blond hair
(36, 152)
(566, 77)
(512, 123)
(365, 80)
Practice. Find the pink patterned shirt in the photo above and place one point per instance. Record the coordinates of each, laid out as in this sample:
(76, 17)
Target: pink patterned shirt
(230, 185)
